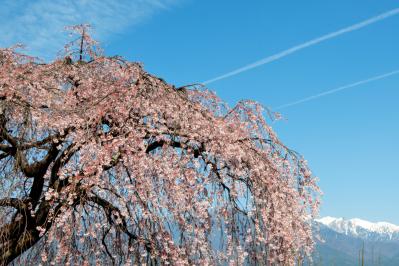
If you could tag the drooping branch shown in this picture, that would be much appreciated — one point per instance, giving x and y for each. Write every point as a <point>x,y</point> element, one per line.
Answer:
<point>4,135</point>
<point>113,213</point>
<point>15,203</point>
<point>60,162</point>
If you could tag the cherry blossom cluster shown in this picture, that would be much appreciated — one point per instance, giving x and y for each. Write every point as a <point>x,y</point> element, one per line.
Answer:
<point>110,164</point>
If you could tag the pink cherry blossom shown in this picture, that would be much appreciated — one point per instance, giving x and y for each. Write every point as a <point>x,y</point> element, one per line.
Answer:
<point>104,162</point>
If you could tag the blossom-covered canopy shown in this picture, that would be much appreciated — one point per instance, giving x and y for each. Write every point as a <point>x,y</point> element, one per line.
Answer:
<point>103,163</point>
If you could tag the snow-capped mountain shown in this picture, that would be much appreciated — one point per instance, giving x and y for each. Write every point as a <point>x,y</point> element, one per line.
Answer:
<point>342,240</point>
<point>380,231</point>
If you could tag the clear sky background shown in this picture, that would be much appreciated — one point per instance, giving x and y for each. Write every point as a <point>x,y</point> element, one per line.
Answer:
<point>350,138</point>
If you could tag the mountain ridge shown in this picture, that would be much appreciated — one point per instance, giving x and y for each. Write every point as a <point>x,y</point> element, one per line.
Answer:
<point>342,241</point>
<point>361,228</point>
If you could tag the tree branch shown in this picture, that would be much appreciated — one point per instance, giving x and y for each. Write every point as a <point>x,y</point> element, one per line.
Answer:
<point>14,203</point>
<point>110,210</point>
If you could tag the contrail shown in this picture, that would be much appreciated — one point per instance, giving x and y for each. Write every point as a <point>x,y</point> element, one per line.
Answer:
<point>299,47</point>
<point>358,83</point>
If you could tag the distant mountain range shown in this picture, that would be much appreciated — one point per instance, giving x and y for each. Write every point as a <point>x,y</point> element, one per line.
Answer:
<point>342,242</point>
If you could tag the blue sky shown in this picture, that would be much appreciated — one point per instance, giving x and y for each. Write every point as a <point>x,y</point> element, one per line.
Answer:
<point>350,138</point>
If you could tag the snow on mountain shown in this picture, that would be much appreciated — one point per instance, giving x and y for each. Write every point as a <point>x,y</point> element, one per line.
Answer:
<point>361,228</point>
